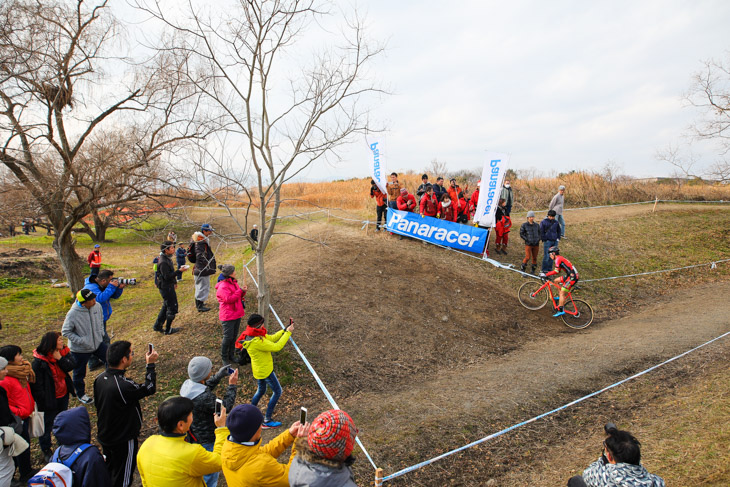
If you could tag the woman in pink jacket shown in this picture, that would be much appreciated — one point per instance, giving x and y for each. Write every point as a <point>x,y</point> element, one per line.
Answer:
<point>231,298</point>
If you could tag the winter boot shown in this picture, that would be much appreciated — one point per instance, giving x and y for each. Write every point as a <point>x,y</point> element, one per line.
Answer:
<point>202,308</point>
<point>523,267</point>
<point>534,267</point>
<point>504,249</point>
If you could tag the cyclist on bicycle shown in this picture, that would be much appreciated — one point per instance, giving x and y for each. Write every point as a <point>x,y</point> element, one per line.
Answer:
<point>564,283</point>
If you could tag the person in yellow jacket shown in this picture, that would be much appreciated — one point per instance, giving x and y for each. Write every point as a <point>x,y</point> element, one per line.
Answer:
<point>246,463</point>
<point>260,345</point>
<point>167,460</point>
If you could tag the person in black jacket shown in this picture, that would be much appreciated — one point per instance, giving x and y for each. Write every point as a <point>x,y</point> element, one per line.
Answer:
<point>72,429</point>
<point>52,361</point>
<point>199,388</point>
<point>530,233</point>
<point>119,415</point>
<point>204,266</point>
<point>166,282</point>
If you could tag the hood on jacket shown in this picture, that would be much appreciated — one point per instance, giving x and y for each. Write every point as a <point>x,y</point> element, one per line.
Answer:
<point>621,473</point>
<point>311,470</point>
<point>191,389</point>
<point>72,426</point>
<point>199,237</point>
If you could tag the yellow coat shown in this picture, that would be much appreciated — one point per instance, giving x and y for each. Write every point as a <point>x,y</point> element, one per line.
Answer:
<point>165,461</point>
<point>256,466</point>
<point>260,348</point>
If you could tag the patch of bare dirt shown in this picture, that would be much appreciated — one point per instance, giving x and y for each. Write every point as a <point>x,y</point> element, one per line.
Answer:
<point>31,264</point>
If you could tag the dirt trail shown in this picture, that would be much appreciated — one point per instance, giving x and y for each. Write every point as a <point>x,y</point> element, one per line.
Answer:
<point>579,362</point>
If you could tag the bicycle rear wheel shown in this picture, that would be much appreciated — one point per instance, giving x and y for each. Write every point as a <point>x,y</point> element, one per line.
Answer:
<point>578,314</point>
<point>529,296</point>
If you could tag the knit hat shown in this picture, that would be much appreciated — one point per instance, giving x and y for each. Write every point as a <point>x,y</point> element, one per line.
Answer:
<point>332,435</point>
<point>403,191</point>
<point>530,214</point>
<point>255,320</point>
<point>227,270</point>
<point>561,187</point>
<point>244,421</point>
<point>199,368</point>
<point>3,363</point>
<point>85,295</point>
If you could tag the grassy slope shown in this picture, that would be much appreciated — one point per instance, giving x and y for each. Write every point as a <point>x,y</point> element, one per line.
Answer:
<point>644,242</point>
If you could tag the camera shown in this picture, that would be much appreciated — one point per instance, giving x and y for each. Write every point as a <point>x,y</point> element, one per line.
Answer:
<point>132,281</point>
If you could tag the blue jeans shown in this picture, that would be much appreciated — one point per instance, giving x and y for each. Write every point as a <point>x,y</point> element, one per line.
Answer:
<point>48,416</point>
<point>547,264</point>
<point>80,370</point>
<point>211,480</point>
<point>561,220</point>
<point>272,382</point>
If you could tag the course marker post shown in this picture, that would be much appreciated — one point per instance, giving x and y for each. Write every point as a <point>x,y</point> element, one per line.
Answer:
<point>378,477</point>
<point>655,202</point>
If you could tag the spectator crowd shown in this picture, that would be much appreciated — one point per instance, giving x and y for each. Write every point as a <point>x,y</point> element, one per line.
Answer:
<point>454,204</point>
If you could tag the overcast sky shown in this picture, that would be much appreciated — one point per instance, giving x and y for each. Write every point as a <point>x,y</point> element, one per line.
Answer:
<point>559,85</point>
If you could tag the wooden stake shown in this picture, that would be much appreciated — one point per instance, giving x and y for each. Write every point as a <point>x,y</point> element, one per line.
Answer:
<point>378,477</point>
<point>655,202</point>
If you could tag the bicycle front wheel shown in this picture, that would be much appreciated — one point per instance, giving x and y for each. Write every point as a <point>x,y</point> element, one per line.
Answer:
<point>578,314</point>
<point>531,296</point>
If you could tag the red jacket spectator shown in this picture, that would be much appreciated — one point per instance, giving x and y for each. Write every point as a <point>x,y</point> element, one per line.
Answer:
<point>20,398</point>
<point>406,202</point>
<point>473,202</point>
<point>448,212</point>
<point>94,258</point>
<point>380,198</point>
<point>429,204</point>
<point>463,206</point>
<point>454,191</point>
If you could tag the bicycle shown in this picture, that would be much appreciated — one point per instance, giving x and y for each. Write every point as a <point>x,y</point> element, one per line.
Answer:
<point>533,296</point>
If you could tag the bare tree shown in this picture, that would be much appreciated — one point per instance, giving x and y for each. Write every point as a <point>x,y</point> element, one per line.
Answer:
<point>286,117</point>
<point>682,162</point>
<point>436,168</point>
<point>54,95</point>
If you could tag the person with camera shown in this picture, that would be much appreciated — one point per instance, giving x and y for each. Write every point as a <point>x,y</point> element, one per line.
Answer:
<point>393,188</point>
<point>106,288</point>
<point>167,460</point>
<point>119,415</point>
<point>381,204</point>
<point>166,282</point>
<point>260,345</point>
<point>205,266</point>
<point>200,389</point>
<point>84,328</point>
<point>619,464</point>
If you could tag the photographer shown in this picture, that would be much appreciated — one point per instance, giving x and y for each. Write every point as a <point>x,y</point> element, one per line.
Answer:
<point>619,464</point>
<point>381,203</point>
<point>166,282</point>
<point>106,288</point>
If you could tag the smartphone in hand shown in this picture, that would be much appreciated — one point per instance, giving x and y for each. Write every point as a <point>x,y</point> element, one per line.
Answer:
<point>303,415</point>
<point>150,347</point>
<point>218,407</point>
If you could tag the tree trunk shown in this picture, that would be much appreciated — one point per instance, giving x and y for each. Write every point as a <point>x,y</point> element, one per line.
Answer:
<point>263,293</point>
<point>100,227</point>
<point>70,261</point>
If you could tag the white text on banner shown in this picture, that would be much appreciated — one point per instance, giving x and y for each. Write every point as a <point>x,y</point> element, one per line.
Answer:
<point>493,173</point>
<point>377,161</point>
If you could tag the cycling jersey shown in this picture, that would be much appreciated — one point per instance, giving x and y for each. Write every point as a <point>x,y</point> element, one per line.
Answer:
<point>571,277</point>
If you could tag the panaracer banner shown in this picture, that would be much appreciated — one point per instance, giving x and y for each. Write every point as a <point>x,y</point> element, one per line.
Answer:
<point>492,177</point>
<point>440,232</point>
<point>377,161</point>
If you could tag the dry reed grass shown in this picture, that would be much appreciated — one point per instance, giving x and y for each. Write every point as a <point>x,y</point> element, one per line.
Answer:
<point>583,189</point>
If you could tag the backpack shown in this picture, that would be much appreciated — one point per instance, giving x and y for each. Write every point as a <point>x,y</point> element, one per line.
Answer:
<point>191,252</point>
<point>156,261</point>
<point>56,474</point>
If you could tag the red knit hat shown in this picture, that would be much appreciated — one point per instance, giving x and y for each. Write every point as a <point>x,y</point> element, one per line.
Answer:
<point>332,435</point>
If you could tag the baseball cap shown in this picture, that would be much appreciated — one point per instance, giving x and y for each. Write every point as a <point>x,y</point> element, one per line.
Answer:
<point>85,295</point>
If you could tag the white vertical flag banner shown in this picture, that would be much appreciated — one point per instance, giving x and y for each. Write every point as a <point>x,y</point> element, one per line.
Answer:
<point>493,173</point>
<point>377,161</point>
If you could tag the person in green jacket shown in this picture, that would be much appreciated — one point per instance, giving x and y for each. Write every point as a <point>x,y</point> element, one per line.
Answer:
<point>260,345</point>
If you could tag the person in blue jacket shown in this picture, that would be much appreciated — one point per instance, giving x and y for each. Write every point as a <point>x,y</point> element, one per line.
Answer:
<point>106,288</point>
<point>72,429</point>
<point>180,254</point>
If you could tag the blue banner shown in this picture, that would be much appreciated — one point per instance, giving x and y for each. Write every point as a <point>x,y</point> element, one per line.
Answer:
<point>440,232</point>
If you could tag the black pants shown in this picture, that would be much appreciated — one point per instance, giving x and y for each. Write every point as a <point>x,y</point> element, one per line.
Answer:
<point>382,215</point>
<point>230,333</point>
<point>169,308</point>
<point>577,481</point>
<point>22,461</point>
<point>121,460</point>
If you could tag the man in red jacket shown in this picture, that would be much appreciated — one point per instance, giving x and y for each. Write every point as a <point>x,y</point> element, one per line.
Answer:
<point>94,260</point>
<point>406,201</point>
<point>429,203</point>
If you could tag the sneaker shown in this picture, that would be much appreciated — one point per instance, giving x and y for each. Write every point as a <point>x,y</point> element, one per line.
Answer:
<point>85,399</point>
<point>171,331</point>
<point>270,424</point>
<point>523,267</point>
<point>556,298</point>
<point>559,313</point>
<point>542,274</point>
<point>159,330</point>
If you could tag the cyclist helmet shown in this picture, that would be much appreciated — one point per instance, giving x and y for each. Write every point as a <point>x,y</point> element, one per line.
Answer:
<point>554,250</point>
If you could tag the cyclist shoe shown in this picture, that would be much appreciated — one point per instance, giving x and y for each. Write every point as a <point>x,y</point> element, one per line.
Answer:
<point>559,313</point>
<point>556,298</point>
<point>270,424</point>
<point>86,399</point>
